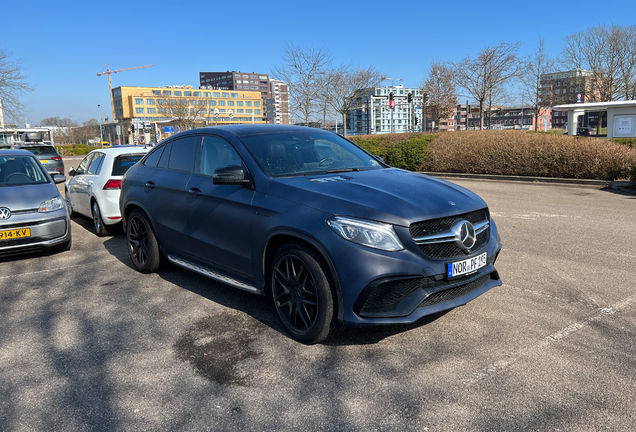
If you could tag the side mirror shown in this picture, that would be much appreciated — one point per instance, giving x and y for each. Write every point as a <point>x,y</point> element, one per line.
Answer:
<point>71,172</point>
<point>230,175</point>
<point>59,178</point>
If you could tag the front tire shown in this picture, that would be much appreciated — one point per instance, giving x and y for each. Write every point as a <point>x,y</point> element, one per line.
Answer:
<point>302,293</point>
<point>143,247</point>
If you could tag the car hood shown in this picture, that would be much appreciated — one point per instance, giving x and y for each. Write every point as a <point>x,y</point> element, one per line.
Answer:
<point>26,197</point>
<point>390,195</point>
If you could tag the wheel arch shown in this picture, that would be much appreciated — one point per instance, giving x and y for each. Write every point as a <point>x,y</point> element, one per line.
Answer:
<point>279,239</point>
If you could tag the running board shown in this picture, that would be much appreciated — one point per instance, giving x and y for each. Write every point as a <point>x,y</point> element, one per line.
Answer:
<point>219,277</point>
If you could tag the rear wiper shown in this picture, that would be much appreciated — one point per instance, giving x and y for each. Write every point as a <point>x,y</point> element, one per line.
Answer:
<point>342,170</point>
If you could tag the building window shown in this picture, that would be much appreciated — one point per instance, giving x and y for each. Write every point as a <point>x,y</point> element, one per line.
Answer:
<point>139,110</point>
<point>239,103</point>
<point>203,103</point>
<point>222,110</point>
<point>161,110</point>
<point>177,93</point>
<point>161,101</point>
<point>221,103</point>
<point>248,111</point>
<point>167,93</point>
<point>187,93</point>
<point>230,103</point>
<point>212,103</point>
<point>234,95</point>
<point>258,112</point>
<point>150,101</point>
<point>151,111</point>
<point>139,101</point>
<point>257,103</point>
<point>239,111</point>
<point>216,94</point>
<point>225,95</point>
<point>206,94</point>
<point>239,87</point>
<point>196,94</point>
<point>156,92</point>
<point>248,103</point>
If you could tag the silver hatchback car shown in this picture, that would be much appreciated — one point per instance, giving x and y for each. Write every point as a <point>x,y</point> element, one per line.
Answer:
<point>33,214</point>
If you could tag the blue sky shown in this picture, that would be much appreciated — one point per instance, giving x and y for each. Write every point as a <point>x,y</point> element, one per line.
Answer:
<point>64,44</point>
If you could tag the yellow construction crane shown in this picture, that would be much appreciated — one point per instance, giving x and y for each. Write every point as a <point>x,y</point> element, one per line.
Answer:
<point>110,84</point>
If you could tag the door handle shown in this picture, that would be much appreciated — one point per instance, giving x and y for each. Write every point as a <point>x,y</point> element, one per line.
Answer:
<point>150,185</point>
<point>195,192</point>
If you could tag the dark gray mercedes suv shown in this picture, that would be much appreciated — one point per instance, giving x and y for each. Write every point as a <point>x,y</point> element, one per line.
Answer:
<point>332,234</point>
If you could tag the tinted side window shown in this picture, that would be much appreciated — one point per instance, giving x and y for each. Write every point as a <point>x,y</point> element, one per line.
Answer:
<point>183,153</point>
<point>216,153</point>
<point>163,162</point>
<point>96,164</point>
<point>154,156</point>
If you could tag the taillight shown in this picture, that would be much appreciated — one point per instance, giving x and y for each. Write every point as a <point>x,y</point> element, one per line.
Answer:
<point>56,158</point>
<point>112,184</point>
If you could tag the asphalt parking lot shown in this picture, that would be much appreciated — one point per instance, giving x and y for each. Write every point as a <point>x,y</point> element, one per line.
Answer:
<point>87,343</point>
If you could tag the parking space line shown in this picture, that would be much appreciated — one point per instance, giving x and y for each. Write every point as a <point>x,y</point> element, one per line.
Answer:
<point>56,269</point>
<point>504,364</point>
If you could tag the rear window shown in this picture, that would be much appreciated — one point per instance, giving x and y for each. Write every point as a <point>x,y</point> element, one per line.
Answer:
<point>124,162</point>
<point>40,150</point>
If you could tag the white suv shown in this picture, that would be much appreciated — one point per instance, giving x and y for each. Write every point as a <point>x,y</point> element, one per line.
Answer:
<point>93,188</point>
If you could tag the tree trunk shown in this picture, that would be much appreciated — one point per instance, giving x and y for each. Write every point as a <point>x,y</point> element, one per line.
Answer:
<point>344,124</point>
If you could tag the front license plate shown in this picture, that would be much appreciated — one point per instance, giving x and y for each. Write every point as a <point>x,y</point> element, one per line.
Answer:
<point>466,266</point>
<point>12,234</point>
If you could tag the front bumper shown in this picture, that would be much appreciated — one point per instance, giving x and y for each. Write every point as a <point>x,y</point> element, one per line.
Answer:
<point>379,287</point>
<point>47,230</point>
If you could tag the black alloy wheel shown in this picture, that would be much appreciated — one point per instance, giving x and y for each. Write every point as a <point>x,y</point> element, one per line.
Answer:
<point>302,293</point>
<point>100,228</point>
<point>143,247</point>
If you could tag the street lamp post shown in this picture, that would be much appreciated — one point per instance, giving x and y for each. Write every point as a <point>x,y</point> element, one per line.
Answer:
<point>101,136</point>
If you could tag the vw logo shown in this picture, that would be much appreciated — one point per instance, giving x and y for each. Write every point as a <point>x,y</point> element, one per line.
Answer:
<point>5,213</point>
<point>465,237</point>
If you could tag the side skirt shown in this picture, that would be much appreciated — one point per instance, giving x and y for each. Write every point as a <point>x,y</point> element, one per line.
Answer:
<point>216,275</point>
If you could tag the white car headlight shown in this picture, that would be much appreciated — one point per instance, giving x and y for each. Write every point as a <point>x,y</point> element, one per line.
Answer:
<point>366,233</point>
<point>51,205</point>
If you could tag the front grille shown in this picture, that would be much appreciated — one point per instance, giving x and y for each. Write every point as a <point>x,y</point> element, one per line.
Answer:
<point>453,293</point>
<point>449,250</point>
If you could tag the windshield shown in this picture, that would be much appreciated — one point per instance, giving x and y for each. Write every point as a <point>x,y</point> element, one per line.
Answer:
<point>21,170</point>
<point>124,162</point>
<point>306,152</point>
<point>40,150</point>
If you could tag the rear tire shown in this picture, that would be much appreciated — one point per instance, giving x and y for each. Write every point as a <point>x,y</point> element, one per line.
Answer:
<point>143,247</point>
<point>302,294</point>
<point>98,222</point>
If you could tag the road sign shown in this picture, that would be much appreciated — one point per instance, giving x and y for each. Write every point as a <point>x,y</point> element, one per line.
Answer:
<point>168,129</point>
<point>146,124</point>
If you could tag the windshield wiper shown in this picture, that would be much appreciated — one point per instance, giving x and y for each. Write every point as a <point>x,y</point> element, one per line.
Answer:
<point>342,170</point>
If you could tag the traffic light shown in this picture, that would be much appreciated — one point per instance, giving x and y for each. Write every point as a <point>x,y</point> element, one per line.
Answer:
<point>391,100</point>
<point>132,128</point>
<point>391,96</point>
<point>409,97</point>
<point>415,121</point>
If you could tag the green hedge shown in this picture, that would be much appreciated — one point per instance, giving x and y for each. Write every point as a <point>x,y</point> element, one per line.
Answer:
<point>407,151</point>
<point>74,149</point>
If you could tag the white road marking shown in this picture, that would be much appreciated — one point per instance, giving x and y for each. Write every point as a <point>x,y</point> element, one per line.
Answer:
<point>561,334</point>
<point>56,269</point>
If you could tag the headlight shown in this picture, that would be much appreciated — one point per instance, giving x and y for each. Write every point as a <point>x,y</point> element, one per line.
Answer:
<point>51,205</point>
<point>366,233</point>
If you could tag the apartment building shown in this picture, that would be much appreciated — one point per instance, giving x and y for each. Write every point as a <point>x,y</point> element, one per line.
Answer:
<point>277,107</point>
<point>156,104</point>
<point>372,112</point>
<point>558,88</point>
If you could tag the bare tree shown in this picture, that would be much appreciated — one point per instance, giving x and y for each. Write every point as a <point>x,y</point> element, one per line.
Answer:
<point>186,113</point>
<point>12,85</point>
<point>609,54</point>
<point>303,70</point>
<point>537,65</point>
<point>347,84</point>
<point>440,91</point>
<point>488,72</point>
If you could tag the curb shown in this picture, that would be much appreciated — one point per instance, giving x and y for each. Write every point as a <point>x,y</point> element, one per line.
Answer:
<point>622,185</point>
